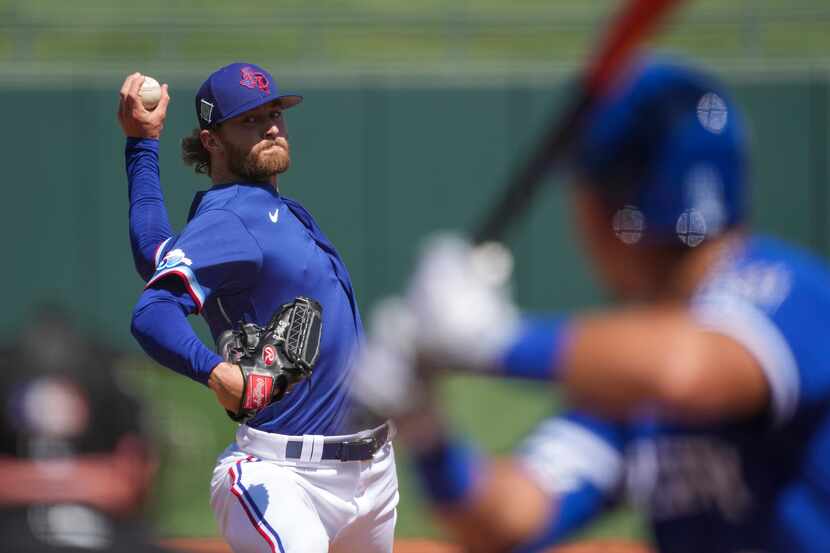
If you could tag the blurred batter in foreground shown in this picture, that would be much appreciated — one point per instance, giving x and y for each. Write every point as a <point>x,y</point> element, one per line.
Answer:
<point>704,396</point>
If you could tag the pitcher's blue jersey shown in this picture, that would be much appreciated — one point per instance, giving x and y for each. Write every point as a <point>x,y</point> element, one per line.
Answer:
<point>744,486</point>
<point>246,251</point>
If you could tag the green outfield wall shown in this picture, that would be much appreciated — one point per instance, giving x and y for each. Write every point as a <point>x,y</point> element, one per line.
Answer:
<point>380,166</point>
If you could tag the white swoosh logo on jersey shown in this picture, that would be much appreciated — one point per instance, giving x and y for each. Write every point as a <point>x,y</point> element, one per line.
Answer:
<point>275,216</point>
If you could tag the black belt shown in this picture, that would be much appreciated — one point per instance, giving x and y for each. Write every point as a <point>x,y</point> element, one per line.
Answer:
<point>357,447</point>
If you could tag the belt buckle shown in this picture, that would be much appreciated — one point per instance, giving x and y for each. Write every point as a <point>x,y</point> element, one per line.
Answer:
<point>369,441</point>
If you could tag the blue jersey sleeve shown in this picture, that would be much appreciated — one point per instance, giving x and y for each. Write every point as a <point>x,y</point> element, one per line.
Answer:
<point>577,460</point>
<point>160,326</point>
<point>149,225</point>
<point>214,255</point>
<point>776,303</point>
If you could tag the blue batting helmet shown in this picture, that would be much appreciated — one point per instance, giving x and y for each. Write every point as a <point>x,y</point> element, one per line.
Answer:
<point>667,150</point>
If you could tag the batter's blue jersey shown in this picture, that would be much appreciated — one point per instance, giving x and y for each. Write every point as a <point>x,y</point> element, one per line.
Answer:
<point>747,486</point>
<point>246,251</point>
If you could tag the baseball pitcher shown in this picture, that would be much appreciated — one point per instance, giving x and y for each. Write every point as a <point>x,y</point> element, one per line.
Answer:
<point>280,305</point>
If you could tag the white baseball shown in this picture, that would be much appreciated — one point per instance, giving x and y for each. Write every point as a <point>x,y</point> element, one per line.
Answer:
<point>150,93</point>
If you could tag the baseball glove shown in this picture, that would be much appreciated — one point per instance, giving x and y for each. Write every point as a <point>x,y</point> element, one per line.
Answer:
<point>276,357</point>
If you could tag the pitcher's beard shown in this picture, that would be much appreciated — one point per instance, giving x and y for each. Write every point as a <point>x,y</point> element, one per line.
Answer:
<point>261,163</point>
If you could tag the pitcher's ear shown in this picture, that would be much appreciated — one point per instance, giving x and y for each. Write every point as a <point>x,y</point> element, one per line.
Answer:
<point>210,141</point>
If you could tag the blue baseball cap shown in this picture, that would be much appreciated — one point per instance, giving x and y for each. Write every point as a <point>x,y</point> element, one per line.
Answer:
<point>235,89</point>
<point>667,149</point>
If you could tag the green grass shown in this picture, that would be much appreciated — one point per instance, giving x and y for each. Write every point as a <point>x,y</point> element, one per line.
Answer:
<point>191,430</point>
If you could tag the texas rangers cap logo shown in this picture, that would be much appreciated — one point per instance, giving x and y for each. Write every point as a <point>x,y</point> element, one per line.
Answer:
<point>269,355</point>
<point>254,79</point>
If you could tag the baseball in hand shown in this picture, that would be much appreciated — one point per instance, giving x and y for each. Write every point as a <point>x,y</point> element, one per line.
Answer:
<point>150,93</point>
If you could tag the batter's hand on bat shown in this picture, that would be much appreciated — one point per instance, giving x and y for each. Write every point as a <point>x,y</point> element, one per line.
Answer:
<point>461,302</point>
<point>136,120</point>
<point>457,314</point>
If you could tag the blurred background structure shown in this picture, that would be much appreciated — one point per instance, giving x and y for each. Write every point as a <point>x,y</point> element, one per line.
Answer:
<point>76,459</point>
<point>351,39</point>
<point>415,114</point>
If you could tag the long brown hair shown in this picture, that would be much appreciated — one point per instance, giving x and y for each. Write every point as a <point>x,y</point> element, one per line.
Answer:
<point>195,154</point>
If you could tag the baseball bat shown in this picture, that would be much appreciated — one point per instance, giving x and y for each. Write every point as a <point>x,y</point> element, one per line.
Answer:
<point>636,20</point>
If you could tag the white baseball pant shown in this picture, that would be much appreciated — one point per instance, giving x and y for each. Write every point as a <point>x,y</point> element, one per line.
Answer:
<point>265,503</point>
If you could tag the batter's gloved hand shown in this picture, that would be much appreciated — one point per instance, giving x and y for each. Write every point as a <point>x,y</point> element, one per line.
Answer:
<point>276,357</point>
<point>457,315</point>
<point>460,299</point>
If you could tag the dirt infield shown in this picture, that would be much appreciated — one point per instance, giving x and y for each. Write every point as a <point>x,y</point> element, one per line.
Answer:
<point>604,546</point>
<point>187,545</point>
